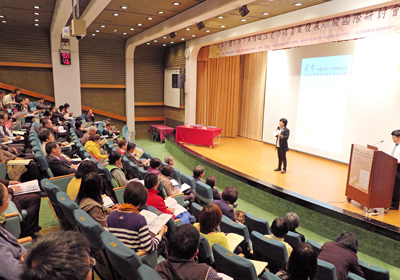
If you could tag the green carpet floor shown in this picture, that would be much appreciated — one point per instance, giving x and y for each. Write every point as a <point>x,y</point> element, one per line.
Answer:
<point>381,251</point>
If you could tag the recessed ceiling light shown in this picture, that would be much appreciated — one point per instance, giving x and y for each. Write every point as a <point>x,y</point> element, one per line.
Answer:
<point>160,12</point>
<point>124,33</point>
<point>155,41</point>
<point>97,30</point>
<point>36,14</point>
<point>1,16</point>
<point>148,43</point>
<point>193,35</point>
<point>208,31</point>
<point>220,17</point>
<point>165,37</point>
<point>164,45</point>
<point>150,18</point>
<point>36,7</point>
<point>182,39</point>
<point>176,3</point>
<point>36,24</point>
<point>115,14</point>
<point>222,26</point>
<point>93,34</point>
<point>4,21</point>
<point>124,7</point>
<point>139,24</point>
<point>298,4</point>
<point>172,42</point>
<point>243,19</point>
<point>265,14</point>
<point>188,28</point>
<point>102,26</point>
<point>131,29</point>
<point>115,30</point>
<point>36,19</point>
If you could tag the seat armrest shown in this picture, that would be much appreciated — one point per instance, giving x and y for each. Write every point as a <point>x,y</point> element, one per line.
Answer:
<point>61,177</point>
<point>10,215</point>
<point>141,253</point>
<point>25,240</point>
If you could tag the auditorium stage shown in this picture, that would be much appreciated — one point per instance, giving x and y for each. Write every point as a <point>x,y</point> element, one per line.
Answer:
<point>318,179</point>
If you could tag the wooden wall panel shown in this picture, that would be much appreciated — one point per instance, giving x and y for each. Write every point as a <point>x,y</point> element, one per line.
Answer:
<point>102,60</point>
<point>109,100</point>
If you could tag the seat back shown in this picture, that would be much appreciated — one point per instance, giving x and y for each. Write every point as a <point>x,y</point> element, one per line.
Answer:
<point>232,265</point>
<point>315,245</point>
<point>269,276</point>
<point>176,175</point>
<point>142,173</point>
<point>352,276</point>
<point>195,210</point>
<point>205,254</point>
<point>147,273</point>
<point>254,223</point>
<point>190,181</point>
<point>124,132</point>
<point>51,190</point>
<point>119,193</point>
<point>67,206</point>
<point>3,170</point>
<point>13,219</point>
<point>125,261</point>
<point>325,270</point>
<point>372,272</point>
<point>43,165</point>
<point>162,190</point>
<point>228,226</point>
<point>270,250</point>
<point>292,238</point>
<point>170,224</point>
<point>62,182</point>
<point>204,192</point>
<point>100,128</point>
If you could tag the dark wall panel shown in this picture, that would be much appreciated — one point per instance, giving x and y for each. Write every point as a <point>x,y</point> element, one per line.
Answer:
<point>102,60</point>
<point>109,100</point>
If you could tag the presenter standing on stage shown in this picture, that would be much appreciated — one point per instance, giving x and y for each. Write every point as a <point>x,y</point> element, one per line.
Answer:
<point>394,151</point>
<point>282,135</point>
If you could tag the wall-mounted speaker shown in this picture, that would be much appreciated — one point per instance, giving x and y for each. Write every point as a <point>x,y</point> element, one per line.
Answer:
<point>178,80</point>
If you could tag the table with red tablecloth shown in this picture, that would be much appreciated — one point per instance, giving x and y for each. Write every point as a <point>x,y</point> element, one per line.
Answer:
<point>196,135</point>
<point>163,130</point>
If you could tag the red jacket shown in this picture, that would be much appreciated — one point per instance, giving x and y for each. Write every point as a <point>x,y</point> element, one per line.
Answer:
<point>157,202</point>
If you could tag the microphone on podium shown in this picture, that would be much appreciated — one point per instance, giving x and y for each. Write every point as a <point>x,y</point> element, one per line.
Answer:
<point>377,143</point>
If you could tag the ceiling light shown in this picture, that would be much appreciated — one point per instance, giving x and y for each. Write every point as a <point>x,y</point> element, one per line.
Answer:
<point>222,26</point>
<point>150,18</point>
<point>115,14</point>
<point>193,35</point>
<point>244,11</point>
<point>1,16</point>
<point>36,24</point>
<point>139,24</point>
<point>220,17</point>
<point>115,30</point>
<point>97,30</point>
<point>93,34</point>
<point>265,14</point>
<point>124,33</point>
<point>36,14</point>
<point>243,19</point>
<point>36,7</point>
<point>165,37</point>
<point>298,4</point>
<point>4,21</point>
<point>172,42</point>
<point>164,45</point>
<point>36,19</point>
<point>131,29</point>
<point>208,31</point>
<point>188,28</point>
<point>102,26</point>
<point>160,12</point>
<point>148,43</point>
<point>200,25</point>
<point>182,39</point>
<point>155,41</point>
<point>124,7</point>
<point>176,3</point>
<point>172,35</point>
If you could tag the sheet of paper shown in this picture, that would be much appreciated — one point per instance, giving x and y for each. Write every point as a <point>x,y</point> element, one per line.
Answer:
<point>107,202</point>
<point>19,162</point>
<point>275,133</point>
<point>17,132</point>
<point>234,240</point>
<point>170,202</point>
<point>174,182</point>
<point>184,187</point>
<point>156,223</point>
<point>259,266</point>
<point>27,187</point>
<point>149,216</point>
<point>224,276</point>
<point>179,209</point>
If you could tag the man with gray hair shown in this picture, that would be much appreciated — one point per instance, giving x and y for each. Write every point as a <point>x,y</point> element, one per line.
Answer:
<point>169,160</point>
<point>91,131</point>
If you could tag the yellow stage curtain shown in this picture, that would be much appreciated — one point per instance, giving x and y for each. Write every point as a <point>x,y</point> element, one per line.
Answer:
<point>253,69</point>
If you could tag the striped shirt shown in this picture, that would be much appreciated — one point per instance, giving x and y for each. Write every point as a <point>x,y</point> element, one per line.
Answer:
<point>132,230</point>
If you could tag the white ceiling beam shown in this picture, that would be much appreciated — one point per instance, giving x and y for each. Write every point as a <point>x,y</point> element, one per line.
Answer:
<point>93,10</point>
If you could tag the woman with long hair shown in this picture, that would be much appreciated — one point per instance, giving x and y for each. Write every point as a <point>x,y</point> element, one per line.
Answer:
<point>86,167</point>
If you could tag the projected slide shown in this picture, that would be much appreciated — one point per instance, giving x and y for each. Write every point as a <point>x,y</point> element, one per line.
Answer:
<point>321,110</point>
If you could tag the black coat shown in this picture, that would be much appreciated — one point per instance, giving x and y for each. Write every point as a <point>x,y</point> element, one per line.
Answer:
<point>283,144</point>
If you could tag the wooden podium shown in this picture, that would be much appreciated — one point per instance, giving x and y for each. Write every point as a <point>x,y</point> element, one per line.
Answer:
<point>371,175</point>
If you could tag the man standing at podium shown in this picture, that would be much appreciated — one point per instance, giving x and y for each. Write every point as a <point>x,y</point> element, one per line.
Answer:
<point>394,151</point>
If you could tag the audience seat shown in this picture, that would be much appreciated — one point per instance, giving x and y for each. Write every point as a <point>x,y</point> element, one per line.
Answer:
<point>228,226</point>
<point>92,231</point>
<point>3,170</point>
<point>142,173</point>
<point>190,181</point>
<point>352,276</point>
<point>67,206</point>
<point>315,245</point>
<point>372,272</point>
<point>205,254</point>
<point>13,220</point>
<point>325,270</point>
<point>62,181</point>
<point>147,273</point>
<point>161,189</point>
<point>270,276</point>
<point>269,250</point>
<point>176,175</point>
<point>232,265</point>
<point>292,238</point>
<point>204,193</point>
<point>119,193</point>
<point>254,223</point>
<point>195,210</point>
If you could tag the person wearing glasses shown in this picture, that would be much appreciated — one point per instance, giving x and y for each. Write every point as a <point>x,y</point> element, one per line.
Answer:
<point>61,255</point>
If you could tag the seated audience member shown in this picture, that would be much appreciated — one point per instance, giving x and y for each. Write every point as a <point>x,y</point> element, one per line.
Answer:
<point>151,183</point>
<point>8,122</point>
<point>90,200</point>
<point>78,129</point>
<point>56,117</point>
<point>279,229</point>
<point>47,124</point>
<point>169,160</point>
<point>293,222</point>
<point>40,104</point>
<point>91,131</point>
<point>4,131</point>
<point>45,136</point>
<point>229,197</point>
<point>93,147</point>
<point>302,264</point>
<point>211,181</point>
<point>61,255</point>
<point>9,99</point>
<point>342,254</point>
<point>107,131</point>
<point>130,154</point>
<point>198,173</point>
<point>84,168</point>
<point>166,172</point>
<point>58,167</point>
<point>183,247</point>
<point>18,95</point>
<point>65,109</point>
<point>10,250</point>
<point>90,116</point>
<point>2,107</point>
<point>209,220</point>
<point>116,169</point>
<point>122,146</point>
<point>155,164</point>
<point>129,226</point>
